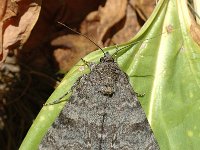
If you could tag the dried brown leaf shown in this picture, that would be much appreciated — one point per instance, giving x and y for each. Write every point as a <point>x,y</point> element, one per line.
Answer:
<point>144,8</point>
<point>99,22</point>
<point>17,21</point>
<point>195,30</point>
<point>96,25</point>
<point>127,31</point>
<point>73,48</point>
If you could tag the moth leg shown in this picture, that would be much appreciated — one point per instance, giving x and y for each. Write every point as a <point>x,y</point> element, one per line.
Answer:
<point>115,54</point>
<point>140,95</point>
<point>89,64</point>
<point>59,100</point>
<point>86,62</point>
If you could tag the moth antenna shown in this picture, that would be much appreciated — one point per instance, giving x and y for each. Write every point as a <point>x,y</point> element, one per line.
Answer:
<point>139,42</point>
<point>132,44</point>
<point>82,35</point>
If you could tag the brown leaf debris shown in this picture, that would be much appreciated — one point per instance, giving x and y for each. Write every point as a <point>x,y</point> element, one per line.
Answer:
<point>17,20</point>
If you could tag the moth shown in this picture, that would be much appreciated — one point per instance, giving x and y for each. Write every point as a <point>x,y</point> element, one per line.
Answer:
<point>103,113</point>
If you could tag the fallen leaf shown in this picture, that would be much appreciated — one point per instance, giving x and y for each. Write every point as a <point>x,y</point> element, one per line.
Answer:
<point>143,8</point>
<point>96,25</point>
<point>17,21</point>
<point>195,30</point>
<point>127,31</point>
<point>99,23</point>
<point>38,51</point>
<point>73,47</point>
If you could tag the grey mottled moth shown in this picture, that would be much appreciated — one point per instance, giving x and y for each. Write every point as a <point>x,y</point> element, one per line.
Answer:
<point>103,113</point>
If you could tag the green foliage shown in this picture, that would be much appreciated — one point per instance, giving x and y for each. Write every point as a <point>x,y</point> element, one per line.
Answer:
<point>166,67</point>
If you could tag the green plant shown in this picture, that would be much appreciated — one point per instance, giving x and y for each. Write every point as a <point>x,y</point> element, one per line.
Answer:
<point>165,68</point>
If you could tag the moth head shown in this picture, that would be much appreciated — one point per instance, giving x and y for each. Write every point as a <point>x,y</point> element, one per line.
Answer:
<point>107,58</point>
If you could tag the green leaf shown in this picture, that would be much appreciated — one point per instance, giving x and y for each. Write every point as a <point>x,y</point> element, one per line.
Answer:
<point>166,67</point>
